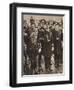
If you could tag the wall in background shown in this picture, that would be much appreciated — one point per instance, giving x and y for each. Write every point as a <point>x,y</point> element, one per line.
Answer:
<point>4,43</point>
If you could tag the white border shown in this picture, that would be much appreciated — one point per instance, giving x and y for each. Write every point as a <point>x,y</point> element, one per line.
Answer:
<point>49,77</point>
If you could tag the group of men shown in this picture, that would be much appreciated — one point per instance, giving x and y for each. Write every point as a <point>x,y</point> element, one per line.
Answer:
<point>41,42</point>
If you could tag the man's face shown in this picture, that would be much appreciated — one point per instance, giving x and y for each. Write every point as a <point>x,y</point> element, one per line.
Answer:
<point>57,27</point>
<point>42,30</point>
<point>33,26</point>
<point>42,24</point>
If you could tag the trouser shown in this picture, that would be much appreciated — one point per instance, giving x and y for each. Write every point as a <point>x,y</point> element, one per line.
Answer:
<point>47,62</point>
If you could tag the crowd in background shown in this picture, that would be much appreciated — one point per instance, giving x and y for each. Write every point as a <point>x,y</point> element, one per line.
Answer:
<point>42,46</point>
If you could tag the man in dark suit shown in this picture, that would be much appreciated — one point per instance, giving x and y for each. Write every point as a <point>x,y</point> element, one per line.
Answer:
<point>57,45</point>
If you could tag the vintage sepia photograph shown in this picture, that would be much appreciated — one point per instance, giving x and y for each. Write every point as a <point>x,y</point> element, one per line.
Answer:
<point>42,44</point>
